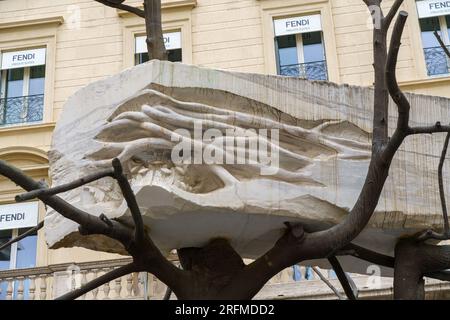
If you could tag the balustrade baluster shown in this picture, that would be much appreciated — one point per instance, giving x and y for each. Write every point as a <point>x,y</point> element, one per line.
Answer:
<point>32,289</point>
<point>106,287</point>
<point>118,287</point>
<point>20,288</point>
<point>83,282</point>
<point>129,285</point>
<point>43,287</point>
<point>136,282</point>
<point>9,290</point>
<point>95,291</point>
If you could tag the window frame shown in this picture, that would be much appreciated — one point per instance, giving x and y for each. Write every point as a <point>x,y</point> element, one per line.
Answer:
<point>26,82</point>
<point>445,36</point>
<point>16,36</point>
<point>417,49</point>
<point>34,162</point>
<point>273,9</point>
<point>25,93</point>
<point>444,29</point>
<point>164,32</point>
<point>299,42</point>
<point>172,19</point>
<point>14,249</point>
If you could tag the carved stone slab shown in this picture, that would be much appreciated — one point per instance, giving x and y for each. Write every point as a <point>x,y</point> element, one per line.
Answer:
<point>324,133</point>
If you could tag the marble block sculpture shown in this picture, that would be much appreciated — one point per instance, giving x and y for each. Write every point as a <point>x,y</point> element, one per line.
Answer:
<point>320,132</point>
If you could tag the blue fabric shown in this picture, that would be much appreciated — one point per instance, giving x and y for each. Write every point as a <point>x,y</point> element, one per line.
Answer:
<point>297,273</point>
<point>309,274</point>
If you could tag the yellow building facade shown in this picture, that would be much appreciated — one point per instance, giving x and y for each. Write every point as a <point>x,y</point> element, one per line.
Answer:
<point>50,49</point>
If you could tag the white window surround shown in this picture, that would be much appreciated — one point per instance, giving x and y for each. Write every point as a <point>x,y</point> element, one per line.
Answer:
<point>413,32</point>
<point>34,162</point>
<point>29,214</point>
<point>13,250</point>
<point>422,5</point>
<point>17,35</point>
<point>30,99</point>
<point>178,20</point>
<point>273,9</point>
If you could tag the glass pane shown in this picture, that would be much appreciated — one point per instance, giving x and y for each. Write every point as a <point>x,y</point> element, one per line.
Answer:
<point>175,55</point>
<point>315,67</point>
<point>37,80</point>
<point>447,19</point>
<point>15,103</point>
<point>26,258</point>
<point>35,100</point>
<point>141,58</point>
<point>427,27</point>
<point>26,251</point>
<point>435,57</point>
<point>14,83</point>
<point>5,260</point>
<point>287,50</point>
<point>3,75</point>
<point>313,47</point>
<point>5,254</point>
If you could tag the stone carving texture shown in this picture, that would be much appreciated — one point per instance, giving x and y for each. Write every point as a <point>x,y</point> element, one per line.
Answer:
<point>324,133</point>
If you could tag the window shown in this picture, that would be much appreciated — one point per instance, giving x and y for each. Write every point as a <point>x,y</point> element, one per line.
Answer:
<point>15,220</point>
<point>300,48</point>
<point>172,41</point>
<point>22,87</point>
<point>434,16</point>
<point>21,254</point>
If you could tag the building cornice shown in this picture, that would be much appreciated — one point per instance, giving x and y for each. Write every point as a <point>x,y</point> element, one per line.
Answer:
<point>173,4</point>
<point>435,80</point>
<point>56,20</point>
<point>29,127</point>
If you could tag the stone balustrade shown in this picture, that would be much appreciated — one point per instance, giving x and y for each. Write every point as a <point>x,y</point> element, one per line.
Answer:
<point>46,283</point>
<point>49,282</point>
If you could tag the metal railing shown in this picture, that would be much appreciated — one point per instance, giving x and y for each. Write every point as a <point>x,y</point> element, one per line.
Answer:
<point>437,61</point>
<point>312,71</point>
<point>17,110</point>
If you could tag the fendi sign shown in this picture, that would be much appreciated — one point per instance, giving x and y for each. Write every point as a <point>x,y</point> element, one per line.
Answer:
<point>432,8</point>
<point>20,215</point>
<point>172,41</point>
<point>22,59</point>
<point>301,24</point>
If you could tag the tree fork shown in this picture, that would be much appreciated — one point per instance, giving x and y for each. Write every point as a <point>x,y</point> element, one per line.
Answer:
<point>153,23</point>
<point>413,260</point>
<point>210,269</point>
